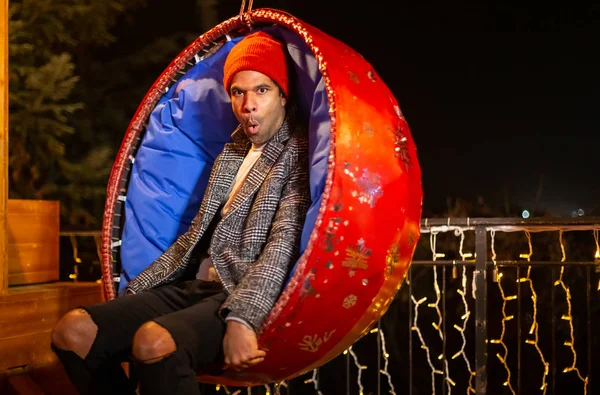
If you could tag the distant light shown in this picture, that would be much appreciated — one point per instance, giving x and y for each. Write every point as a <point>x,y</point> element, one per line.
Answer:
<point>525,214</point>
<point>580,212</point>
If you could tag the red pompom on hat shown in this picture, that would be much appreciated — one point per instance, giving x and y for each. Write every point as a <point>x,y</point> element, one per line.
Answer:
<point>258,52</point>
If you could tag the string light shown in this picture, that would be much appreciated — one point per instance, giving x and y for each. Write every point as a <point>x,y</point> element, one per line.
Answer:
<point>314,379</point>
<point>505,318</point>
<point>386,357</point>
<point>415,328</point>
<point>75,274</point>
<point>597,255</point>
<point>278,387</point>
<point>432,244</point>
<point>248,390</point>
<point>225,389</point>
<point>465,317</point>
<point>569,318</point>
<point>535,325</point>
<point>73,240</point>
<point>438,325</point>
<point>462,292</point>
<point>360,369</point>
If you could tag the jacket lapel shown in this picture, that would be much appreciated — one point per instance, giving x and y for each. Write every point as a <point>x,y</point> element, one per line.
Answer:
<point>262,166</point>
<point>225,168</point>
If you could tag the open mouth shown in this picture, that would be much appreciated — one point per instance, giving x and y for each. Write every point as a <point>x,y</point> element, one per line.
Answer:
<point>252,127</point>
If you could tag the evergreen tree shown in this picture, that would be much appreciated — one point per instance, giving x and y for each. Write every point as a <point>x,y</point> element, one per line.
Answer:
<point>40,85</point>
<point>77,76</point>
<point>49,157</point>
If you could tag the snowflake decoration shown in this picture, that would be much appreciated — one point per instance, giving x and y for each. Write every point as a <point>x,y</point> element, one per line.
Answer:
<point>368,129</point>
<point>350,301</point>
<point>357,257</point>
<point>353,77</point>
<point>391,260</point>
<point>370,188</point>
<point>401,147</point>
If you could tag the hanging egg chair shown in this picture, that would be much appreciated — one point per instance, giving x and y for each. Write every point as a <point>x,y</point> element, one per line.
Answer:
<point>365,181</point>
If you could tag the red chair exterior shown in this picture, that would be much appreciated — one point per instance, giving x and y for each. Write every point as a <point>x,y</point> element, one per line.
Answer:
<point>368,225</point>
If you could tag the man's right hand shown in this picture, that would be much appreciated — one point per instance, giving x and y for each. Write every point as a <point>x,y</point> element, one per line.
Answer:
<point>240,347</point>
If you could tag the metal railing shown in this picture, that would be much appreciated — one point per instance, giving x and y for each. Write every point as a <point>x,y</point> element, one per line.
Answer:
<point>490,306</point>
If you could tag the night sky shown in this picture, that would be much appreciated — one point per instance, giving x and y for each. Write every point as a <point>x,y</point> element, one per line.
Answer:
<point>500,98</point>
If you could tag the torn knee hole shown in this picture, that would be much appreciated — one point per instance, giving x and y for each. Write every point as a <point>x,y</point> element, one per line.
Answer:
<point>152,343</point>
<point>76,331</point>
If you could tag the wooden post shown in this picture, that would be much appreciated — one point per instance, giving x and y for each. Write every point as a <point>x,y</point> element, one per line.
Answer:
<point>3,145</point>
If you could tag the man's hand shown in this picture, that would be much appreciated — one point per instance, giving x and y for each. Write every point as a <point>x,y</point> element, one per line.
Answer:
<point>240,347</point>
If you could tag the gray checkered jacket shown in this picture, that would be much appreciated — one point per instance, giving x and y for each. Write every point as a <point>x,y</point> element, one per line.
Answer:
<point>257,242</point>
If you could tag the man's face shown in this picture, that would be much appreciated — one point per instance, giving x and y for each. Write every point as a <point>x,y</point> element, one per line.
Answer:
<point>257,105</point>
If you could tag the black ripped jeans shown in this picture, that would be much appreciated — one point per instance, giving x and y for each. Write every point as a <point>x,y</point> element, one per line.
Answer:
<point>189,311</point>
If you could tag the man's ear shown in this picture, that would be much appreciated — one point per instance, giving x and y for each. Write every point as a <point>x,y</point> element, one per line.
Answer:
<point>283,101</point>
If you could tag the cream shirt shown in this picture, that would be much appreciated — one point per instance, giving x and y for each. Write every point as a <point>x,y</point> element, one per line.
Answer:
<point>206,271</point>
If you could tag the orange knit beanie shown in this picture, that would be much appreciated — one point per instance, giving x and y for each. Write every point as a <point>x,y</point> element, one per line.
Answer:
<point>258,52</point>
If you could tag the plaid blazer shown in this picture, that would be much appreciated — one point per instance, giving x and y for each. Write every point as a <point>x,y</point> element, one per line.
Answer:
<point>256,243</point>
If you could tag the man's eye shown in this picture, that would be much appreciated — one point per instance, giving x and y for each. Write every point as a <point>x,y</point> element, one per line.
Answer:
<point>262,90</point>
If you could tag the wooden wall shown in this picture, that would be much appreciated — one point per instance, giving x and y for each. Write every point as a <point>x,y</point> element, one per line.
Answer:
<point>33,228</point>
<point>3,144</point>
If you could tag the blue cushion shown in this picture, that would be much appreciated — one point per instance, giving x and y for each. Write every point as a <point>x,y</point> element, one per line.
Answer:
<point>186,131</point>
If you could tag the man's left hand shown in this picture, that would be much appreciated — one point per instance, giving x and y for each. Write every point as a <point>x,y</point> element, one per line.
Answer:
<point>240,347</point>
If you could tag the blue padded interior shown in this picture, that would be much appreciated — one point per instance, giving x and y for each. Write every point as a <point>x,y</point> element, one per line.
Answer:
<point>186,131</point>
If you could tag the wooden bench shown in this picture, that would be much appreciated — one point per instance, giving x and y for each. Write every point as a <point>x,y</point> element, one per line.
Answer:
<point>34,299</point>
<point>27,316</point>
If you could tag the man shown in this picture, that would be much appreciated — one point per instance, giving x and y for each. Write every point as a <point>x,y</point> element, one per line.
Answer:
<point>201,303</point>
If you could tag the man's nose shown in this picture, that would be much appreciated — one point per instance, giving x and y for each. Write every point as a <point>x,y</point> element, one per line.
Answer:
<point>249,103</point>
